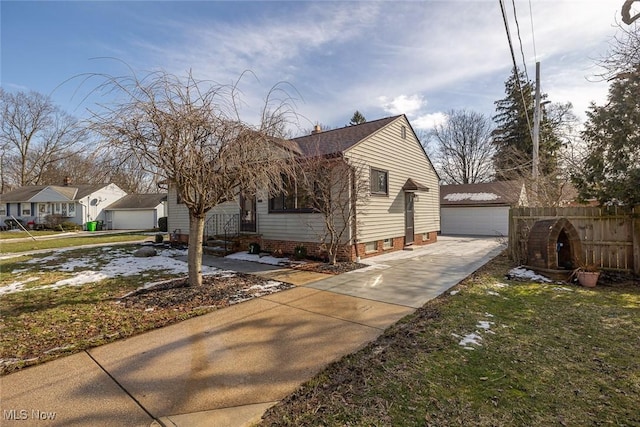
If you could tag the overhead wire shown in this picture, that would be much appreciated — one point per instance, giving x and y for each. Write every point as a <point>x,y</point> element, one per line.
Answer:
<point>515,18</point>
<point>515,65</point>
<point>533,35</point>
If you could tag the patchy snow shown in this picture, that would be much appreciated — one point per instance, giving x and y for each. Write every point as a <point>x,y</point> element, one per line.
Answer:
<point>484,324</point>
<point>562,289</point>
<point>16,286</point>
<point>493,293</point>
<point>476,197</point>
<point>118,263</point>
<point>263,259</point>
<point>453,292</point>
<point>501,285</point>
<point>470,339</point>
<point>521,273</point>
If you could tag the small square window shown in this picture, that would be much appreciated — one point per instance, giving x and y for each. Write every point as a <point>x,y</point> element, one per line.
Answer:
<point>387,244</point>
<point>379,181</point>
<point>26,212</point>
<point>371,247</point>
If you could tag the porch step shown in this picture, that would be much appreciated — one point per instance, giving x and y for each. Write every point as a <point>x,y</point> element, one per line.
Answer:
<point>217,247</point>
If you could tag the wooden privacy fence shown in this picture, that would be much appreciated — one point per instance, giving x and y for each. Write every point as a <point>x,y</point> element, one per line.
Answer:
<point>610,236</point>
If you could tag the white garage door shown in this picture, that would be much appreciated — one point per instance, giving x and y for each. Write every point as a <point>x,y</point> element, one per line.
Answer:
<point>475,221</point>
<point>133,220</point>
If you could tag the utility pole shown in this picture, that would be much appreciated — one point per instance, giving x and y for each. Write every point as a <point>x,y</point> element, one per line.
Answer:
<point>536,134</point>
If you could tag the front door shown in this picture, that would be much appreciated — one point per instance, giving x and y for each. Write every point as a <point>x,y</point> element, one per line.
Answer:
<point>248,213</point>
<point>408,218</point>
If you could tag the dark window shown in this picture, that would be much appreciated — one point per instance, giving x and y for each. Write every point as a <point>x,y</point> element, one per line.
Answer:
<point>403,132</point>
<point>379,181</point>
<point>294,198</point>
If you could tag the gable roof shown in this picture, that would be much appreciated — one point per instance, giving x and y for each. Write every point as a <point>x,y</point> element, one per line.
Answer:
<point>71,192</point>
<point>499,193</point>
<point>138,201</point>
<point>337,141</point>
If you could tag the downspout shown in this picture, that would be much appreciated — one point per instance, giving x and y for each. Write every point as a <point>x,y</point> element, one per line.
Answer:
<point>354,221</point>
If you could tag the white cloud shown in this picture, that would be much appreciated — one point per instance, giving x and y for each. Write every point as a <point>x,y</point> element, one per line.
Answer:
<point>429,121</point>
<point>403,104</point>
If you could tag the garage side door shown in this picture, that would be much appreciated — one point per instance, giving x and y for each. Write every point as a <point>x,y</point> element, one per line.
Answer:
<point>475,221</point>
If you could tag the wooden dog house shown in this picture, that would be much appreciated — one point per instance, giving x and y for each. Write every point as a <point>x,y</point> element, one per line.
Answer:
<point>553,248</point>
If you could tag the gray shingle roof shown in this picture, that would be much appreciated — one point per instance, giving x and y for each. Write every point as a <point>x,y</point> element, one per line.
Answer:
<point>138,201</point>
<point>499,193</point>
<point>336,141</point>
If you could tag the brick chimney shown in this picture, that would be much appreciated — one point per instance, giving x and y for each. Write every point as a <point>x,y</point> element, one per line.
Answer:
<point>316,129</point>
<point>67,181</point>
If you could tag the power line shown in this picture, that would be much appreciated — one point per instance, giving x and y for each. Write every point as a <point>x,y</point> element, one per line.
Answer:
<point>533,36</point>
<point>524,61</point>
<point>515,65</point>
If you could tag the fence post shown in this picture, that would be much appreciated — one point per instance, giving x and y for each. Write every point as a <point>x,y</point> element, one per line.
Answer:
<point>635,227</point>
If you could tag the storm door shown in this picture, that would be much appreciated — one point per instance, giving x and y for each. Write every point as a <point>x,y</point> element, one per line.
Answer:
<point>248,220</point>
<point>408,217</point>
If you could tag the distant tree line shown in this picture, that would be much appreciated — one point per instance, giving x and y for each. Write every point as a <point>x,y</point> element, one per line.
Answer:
<point>40,144</point>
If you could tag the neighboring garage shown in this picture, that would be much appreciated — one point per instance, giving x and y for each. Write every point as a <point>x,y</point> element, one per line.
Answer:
<point>135,212</point>
<point>479,209</point>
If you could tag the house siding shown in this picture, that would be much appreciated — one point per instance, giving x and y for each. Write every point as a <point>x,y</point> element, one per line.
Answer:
<point>384,216</point>
<point>178,214</point>
<point>379,218</point>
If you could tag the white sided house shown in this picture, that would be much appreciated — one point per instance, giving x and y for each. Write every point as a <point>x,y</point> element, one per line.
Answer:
<point>479,209</point>
<point>400,210</point>
<point>74,203</point>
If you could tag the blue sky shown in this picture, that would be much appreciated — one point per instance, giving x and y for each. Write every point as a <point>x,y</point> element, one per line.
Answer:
<point>420,58</point>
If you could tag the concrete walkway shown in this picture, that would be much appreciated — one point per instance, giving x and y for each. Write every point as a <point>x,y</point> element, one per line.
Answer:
<point>225,368</point>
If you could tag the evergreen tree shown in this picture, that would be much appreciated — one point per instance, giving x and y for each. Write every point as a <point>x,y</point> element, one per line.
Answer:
<point>357,119</point>
<point>611,170</point>
<point>512,137</point>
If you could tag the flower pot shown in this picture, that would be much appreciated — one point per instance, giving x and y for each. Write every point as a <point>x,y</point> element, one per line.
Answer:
<point>588,279</point>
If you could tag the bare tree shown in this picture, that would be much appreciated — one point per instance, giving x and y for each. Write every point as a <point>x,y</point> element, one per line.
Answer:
<point>337,188</point>
<point>190,132</point>
<point>464,148</point>
<point>35,134</point>
<point>623,57</point>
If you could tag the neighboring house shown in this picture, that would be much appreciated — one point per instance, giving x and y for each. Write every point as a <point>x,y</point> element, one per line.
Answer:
<point>74,203</point>
<point>135,212</point>
<point>479,209</point>
<point>402,209</point>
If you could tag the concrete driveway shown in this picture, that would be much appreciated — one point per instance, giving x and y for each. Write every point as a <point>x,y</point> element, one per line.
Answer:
<point>225,368</point>
<point>411,278</point>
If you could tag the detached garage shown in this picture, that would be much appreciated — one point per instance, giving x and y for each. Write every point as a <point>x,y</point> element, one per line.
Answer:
<point>479,209</point>
<point>135,212</point>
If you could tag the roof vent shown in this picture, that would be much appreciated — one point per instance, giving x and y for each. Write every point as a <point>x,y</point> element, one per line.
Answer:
<point>316,129</point>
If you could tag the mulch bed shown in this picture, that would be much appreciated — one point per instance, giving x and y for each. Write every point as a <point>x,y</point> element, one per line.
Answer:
<point>216,291</point>
<point>219,290</point>
<point>322,267</point>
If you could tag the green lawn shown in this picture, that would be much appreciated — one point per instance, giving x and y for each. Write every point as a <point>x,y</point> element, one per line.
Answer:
<point>63,242</point>
<point>547,355</point>
<point>43,322</point>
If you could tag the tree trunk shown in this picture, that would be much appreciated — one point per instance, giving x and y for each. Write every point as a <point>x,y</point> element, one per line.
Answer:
<point>194,256</point>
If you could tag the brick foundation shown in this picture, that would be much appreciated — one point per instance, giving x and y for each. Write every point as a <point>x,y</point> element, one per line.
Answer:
<point>397,245</point>
<point>347,253</point>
